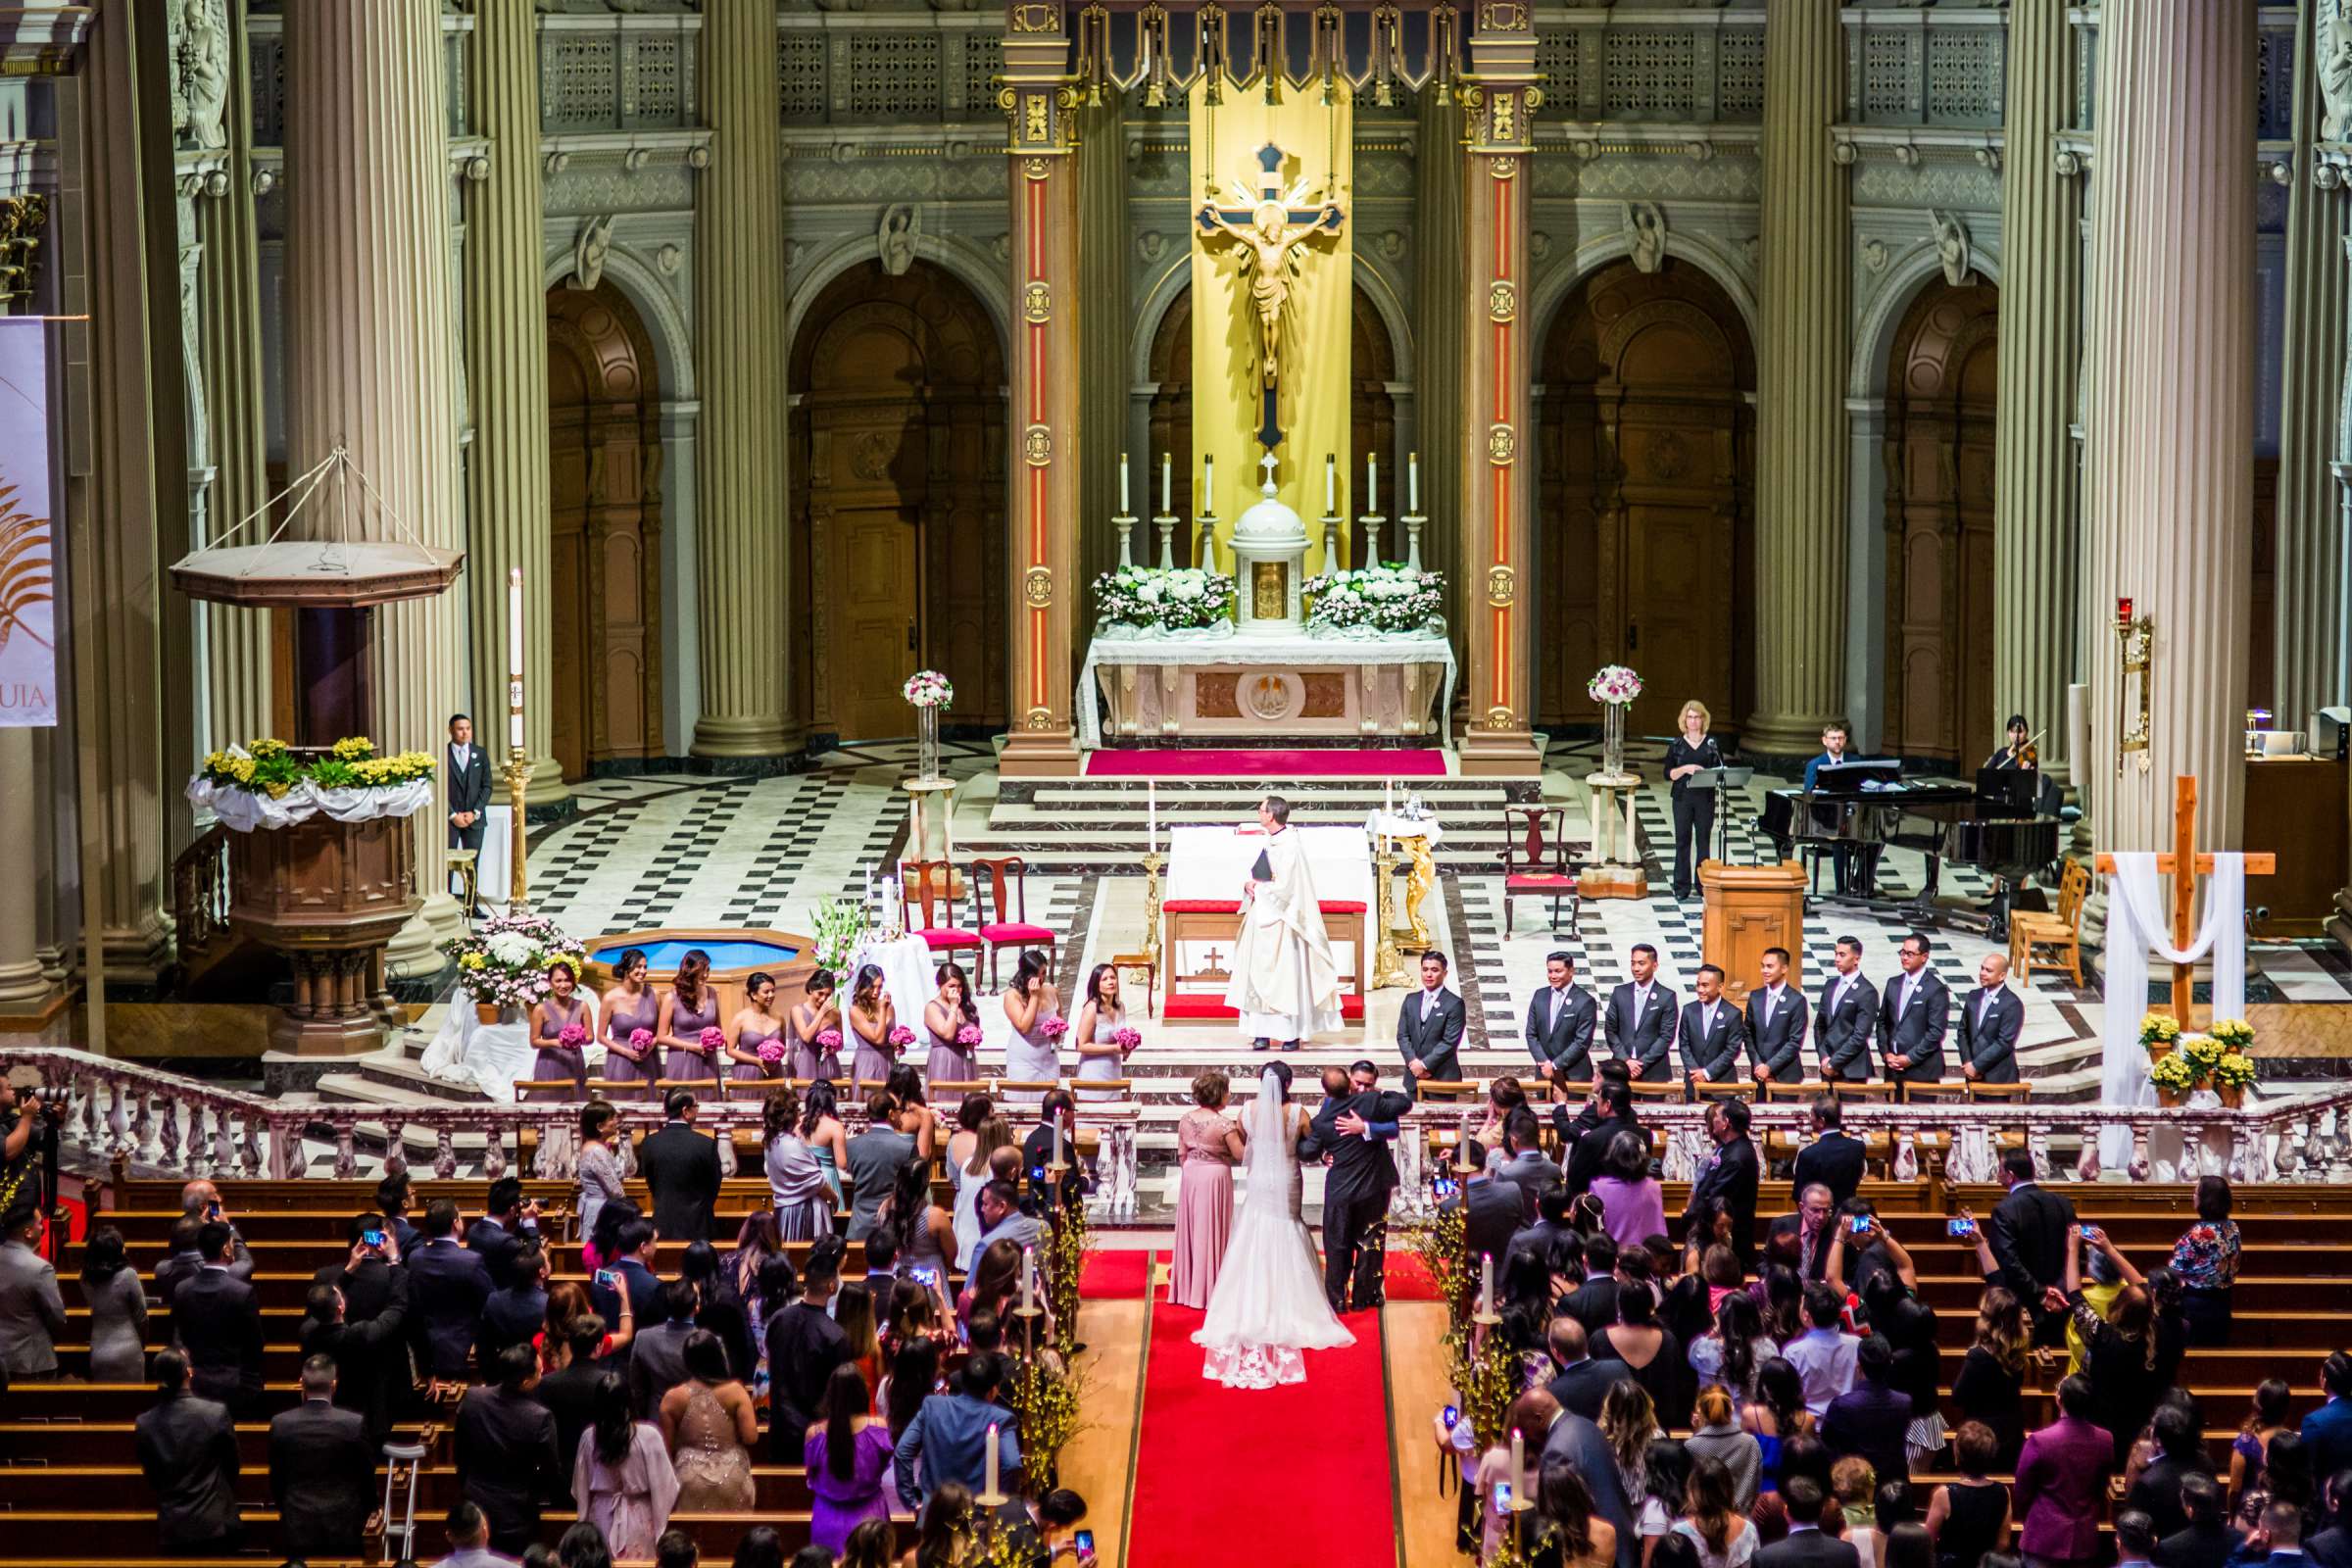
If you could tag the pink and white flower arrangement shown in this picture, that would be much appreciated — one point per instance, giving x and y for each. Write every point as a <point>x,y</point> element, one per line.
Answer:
<point>829,1040</point>
<point>968,1035</point>
<point>771,1053</point>
<point>929,688</point>
<point>1613,684</point>
<point>572,1036</point>
<point>1056,1027</point>
<point>502,962</point>
<point>1127,1039</point>
<point>639,1039</point>
<point>712,1037</point>
<point>901,1036</point>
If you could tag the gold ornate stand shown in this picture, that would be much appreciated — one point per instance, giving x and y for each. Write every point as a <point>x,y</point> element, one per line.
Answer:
<point>518,871</point>
<point>1152,864</point>
<point>1388,971</point>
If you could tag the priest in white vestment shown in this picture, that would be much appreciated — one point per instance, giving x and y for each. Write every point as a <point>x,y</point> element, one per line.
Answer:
<point>1286,983</point>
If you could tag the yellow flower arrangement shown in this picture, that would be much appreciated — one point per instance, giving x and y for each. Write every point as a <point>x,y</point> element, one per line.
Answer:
<point>352,762</point>
<point>2236,1070</point>
<point>2235,1034</point>
<point>354,747</point>
<point>2202,1052</point>
<point>2158,1029</point>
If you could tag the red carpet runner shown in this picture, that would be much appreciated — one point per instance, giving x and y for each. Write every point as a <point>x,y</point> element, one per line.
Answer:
<point>1306,762</point>
<point>1276,1478</point>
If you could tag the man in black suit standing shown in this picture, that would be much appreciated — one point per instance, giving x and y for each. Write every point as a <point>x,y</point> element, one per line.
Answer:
<point>1489,1210</point>
<point>218,1321</point>
<point>1990,1020</point>
<point>1832,1158</point>
<point>1429,1029</point>
<point>447,1286</point>
<point>1580,1383</point>
<point>1729,1176</point>
<point>2027,1236</point>
<point>1805,1547</point>
<point>1592,1146</point>
<point>187,1448</point>
<point>804,1347</point>
<point>506,1452</point>
<point>1776,1022</point>
<point>1559,1023</point>
<point>1913,1014</point>
<point>1843,1022</point>
<point>1710,1036</point>
<point>469,789</point>
<point>635,1285</point>
<point>1350,1133</point>
<point>1594,1303</point>
<point>370,1354</point>
<point>1807,1230</point>
<point>1640,1021</point>
<point>322,1471</point>
<point>681,1167</point>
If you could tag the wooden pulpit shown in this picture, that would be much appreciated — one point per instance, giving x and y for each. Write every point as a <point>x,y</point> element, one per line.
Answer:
<point>1748,908</point>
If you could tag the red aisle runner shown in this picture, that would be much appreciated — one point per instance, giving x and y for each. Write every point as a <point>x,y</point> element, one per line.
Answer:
<point>1297,1477</point>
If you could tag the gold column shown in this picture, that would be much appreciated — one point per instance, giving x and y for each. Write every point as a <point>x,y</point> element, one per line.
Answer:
<point>1497,433</point>
<point>1043,503</point>
<point>506,364</point>
<point>1800,393</point>
<point>739,284</point>
<point>2169,433</point>
<point>370,359</point>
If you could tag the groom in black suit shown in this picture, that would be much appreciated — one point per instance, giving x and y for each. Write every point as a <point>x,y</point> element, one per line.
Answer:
<point>1350,1134</point>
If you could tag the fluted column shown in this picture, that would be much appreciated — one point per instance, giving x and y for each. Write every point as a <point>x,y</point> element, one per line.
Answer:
<point>1801,387</point>
<point>2169,437</point>
<point>506,360</point>
<point>369,345</point>
<point>1438,323</point>
<point>739,349</point>
<point>2308,614</point>
<point>2036,531</point>
<point>1106,235</point>
<point>24,986</point>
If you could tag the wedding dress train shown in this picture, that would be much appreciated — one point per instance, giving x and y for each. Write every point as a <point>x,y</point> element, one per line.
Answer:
<point>1268,1303</point>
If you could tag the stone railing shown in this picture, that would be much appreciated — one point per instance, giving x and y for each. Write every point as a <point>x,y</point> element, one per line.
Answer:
<point>2303,1138</point>
<point>158,1124</point>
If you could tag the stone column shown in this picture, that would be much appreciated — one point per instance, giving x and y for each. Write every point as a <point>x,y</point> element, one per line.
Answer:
<point>2169,437</point>
<point>748,714</point>
<point>2035,507</point>
<point>1043,484</point>
<point>1496,430</point>
<point>1106,235</point>
<point>1439,323</point>
<point>1801,387</point>
<point>370,364</point>
<point>2308,615</point>
<point>505,322</point>
<point>24,987</point>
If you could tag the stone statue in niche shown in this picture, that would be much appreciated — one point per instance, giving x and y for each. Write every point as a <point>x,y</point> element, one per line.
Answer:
<point>1951,248</point>
<point>589,249</point>
<point>2333,47</point>
<point>200,73</point>
<point>902,227</point>
<point>1646,223</point>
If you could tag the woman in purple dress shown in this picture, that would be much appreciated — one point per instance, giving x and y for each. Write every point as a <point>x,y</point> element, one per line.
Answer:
<point>873,1018</point>
<point>631,1009</point>
<point>953,1023</point>
<point>815,1014</point>
<point>691,1008</point>
<point>754,1027</point>
<point>848,1456</point>
<point>1032,1007</point>
<point>1102,1020</point>
<point>564,1009</point>
<point>1208,1148</point>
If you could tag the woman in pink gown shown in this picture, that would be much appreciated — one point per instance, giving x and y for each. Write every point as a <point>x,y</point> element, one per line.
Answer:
<point>622,1478</point>
<point>1207,1147</point>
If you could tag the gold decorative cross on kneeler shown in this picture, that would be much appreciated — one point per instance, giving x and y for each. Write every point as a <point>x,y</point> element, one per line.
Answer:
<point>2183,865</point>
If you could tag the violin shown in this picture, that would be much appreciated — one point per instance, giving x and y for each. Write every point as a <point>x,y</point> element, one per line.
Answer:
<point>2026,756</point>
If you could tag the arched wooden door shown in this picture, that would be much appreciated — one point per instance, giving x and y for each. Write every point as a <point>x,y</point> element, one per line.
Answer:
<point>1645,496</point>
<point>1940,503</point>
<point>898,479</point>
<point>605,561</point>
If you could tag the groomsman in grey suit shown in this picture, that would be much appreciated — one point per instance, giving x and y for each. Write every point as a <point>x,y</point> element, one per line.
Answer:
<point>1776,1022</point>
<point>1559,1023</point>
<point>1844,1017</point>
<point>1429,1029</point>
<point>1640,1022</point>
<point>1914,1012</point>
<point>1990,1020</point>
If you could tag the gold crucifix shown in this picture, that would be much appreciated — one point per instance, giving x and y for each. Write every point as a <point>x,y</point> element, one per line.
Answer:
<point>2183,865</point>
<point>1270,229</point>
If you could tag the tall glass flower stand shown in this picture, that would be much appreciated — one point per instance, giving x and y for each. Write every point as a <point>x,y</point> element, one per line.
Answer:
<point>1614,869</point>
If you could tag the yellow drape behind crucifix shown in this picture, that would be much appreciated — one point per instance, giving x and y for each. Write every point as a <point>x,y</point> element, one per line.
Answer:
<point>1318,140</point>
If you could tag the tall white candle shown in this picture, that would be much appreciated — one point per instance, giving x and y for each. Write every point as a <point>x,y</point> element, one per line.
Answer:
<point>1413,481</point>
<point>1518,1465</point>
<point>989,1491</point>
<point>1485,1285</point>
<point>515,620</point>
<point>1057,1138</point>
<point>1331,482</point>
<point>1387,795</point>
<point>1028,1278</point>
<point>1167,474</point>
<point>1209,483</point>
<point>1371,484</point>
<point>1122,482</point>
<point>1152,815</point>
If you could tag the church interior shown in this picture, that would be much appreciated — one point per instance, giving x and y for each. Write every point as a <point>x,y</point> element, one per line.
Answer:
<point>791,523</point>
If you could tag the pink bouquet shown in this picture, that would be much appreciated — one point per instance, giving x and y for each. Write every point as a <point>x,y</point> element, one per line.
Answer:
<point>968,1035</point>
<point>712,1037</point>
<point>900,1037</point>
<point>771,1053</point>
<point>639,1039</point>
<point>1056,1027</point>
<point>572,1036</point>
<point>1127,1039</point>
<point>829,1040</point>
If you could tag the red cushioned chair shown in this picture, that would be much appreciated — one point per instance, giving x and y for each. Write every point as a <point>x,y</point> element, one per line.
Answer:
<point>992,877</point>
<point>1534,860</point>
<point>929,890</point>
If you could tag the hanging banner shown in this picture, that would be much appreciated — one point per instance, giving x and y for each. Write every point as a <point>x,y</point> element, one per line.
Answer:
<point>28,545</point>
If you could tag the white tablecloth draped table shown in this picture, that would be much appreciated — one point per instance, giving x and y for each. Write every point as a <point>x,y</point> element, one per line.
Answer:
<point>491,1056</point>
<point>1222,645</point>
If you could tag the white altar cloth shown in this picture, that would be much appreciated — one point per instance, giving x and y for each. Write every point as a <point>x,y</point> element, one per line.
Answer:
<point>1223,646</point>
<point>1212,863</point>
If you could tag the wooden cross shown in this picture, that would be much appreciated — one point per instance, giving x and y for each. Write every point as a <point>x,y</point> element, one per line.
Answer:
<point>2183,866</point>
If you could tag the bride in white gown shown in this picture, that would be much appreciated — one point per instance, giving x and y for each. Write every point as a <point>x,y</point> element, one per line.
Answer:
<point>1268,1304</point>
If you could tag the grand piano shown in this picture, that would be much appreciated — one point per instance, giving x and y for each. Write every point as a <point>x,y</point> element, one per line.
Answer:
<point>2007,825</point>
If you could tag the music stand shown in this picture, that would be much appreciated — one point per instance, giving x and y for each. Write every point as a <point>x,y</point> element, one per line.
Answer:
<point>1719,779</point>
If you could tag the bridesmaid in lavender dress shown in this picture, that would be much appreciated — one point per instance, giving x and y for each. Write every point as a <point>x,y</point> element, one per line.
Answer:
<point>1100,1018</point>
<point>946,1016</point>
<point>1208,1148</point>
<point>1032,1055</point>
<point>691,1008</point>
<point>811,1017</point>
<point>629,1007</point>
<point>872,1017</point>
<point>563,1007</point>
<point>755,1026</point>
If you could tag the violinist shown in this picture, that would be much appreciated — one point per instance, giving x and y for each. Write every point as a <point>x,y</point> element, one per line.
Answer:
<point>2021,752</point>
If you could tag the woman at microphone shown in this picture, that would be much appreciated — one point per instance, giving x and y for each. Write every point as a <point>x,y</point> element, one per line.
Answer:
<point>2020,752</point>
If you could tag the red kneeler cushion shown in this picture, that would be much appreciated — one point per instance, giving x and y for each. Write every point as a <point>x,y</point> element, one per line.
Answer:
<point>1342,905</point>
<point>1200,906</point>
<point>1546,880</point>
<point>949,937</point>
<point>1016,932</point>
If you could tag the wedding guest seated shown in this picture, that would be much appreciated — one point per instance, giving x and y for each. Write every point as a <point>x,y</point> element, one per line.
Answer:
<point>1632,1204</point>
<point>948,1440</point>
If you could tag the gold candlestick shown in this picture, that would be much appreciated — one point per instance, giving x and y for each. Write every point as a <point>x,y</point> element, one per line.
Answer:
<point>1388,971</point>
<point>1151,862</point>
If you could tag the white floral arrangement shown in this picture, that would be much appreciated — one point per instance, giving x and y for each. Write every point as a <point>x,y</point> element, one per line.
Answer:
<point>1614,685</point>
<point>1182,599</point>
<point>1378,598</point>
<point>929,688</point>
<point>504,960</point>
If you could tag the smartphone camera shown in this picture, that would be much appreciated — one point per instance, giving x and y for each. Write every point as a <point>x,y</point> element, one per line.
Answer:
<point>1959,1227</point>
<point>1502,1497</point>
<point>1447,1187</point>
<point>606,1278</point>
<point>1453,1416</point>
<point>374,1239</point>
<point>1858,1224</point>
<point>2089,1233</point>
<point>1084,1541</point>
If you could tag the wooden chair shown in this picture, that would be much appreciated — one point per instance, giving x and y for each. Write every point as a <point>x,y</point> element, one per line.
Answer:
<point>1134,963</point>
<point>1670,1090</point>
<point>1534,860</point>
<point>2016,1094</point>
<point>1012,927</point>
<point>930,886</point>
<point>2060,932</point>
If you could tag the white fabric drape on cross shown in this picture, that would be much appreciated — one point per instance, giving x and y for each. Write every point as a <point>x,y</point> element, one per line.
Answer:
<point>2139,922</point>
